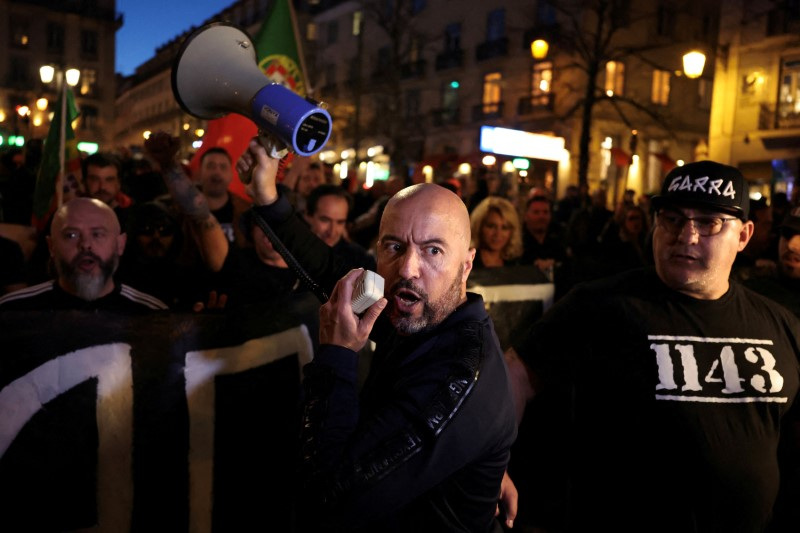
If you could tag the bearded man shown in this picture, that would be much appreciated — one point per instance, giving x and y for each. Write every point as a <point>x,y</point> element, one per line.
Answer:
<point>424,444</point>
<point>85,244</point>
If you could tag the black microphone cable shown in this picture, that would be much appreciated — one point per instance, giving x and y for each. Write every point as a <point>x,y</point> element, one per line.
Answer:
<point>284,252</point>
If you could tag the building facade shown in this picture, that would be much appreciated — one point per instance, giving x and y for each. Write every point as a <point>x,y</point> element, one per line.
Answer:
<point>755,120</point>
<point>422,82</point>
<point>426,89</point>
<point>66,34</point>
<point>145,101</point>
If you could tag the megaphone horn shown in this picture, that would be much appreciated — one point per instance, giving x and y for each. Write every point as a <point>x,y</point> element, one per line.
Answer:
<point>216,73</point>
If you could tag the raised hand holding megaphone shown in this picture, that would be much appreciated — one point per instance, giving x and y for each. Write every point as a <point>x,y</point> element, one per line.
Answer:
<point>216,73</point>
<point>261,169</point>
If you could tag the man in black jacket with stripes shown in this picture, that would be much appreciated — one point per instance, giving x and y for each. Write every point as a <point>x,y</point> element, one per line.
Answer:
<point>425,443</point>
<point>85,244</point>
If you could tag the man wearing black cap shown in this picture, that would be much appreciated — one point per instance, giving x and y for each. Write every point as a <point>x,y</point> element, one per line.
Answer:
<point>675,395</point>
<point>784,287</point>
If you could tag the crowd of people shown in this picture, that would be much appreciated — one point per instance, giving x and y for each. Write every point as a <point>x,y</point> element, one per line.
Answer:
<point>660,371</point>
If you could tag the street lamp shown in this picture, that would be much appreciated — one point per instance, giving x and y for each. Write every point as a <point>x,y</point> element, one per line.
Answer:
<point>539,48</point>
<point>47,73</point>
<point>693,63</point>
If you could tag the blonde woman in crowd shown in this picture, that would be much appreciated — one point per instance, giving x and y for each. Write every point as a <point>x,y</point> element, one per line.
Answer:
<point>496,233</point>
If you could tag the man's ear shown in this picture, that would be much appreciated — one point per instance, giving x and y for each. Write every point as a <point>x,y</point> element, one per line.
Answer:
<point>468,264</point>
<point>745,234</point>
<point>122,238</point>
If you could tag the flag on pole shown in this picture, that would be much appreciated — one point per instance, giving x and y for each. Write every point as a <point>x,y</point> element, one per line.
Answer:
<point>59,143</point>
<point>279,57</point>
<point>621,157</point>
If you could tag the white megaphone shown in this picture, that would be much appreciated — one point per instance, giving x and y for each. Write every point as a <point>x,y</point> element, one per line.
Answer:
<point>216,73</point>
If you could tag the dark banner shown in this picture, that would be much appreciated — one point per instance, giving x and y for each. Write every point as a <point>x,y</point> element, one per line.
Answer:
<point>515,298</point>
<point>172,422</point>
<point>154,423</point>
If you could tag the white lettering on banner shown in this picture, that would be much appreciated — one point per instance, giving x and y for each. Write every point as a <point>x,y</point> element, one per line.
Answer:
<point>201,367</point>
<point>722,368</point>
<point>687,183</point>
<point>21,399</point>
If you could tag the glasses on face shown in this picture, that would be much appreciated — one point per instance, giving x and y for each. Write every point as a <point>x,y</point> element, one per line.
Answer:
<point>704,225</point>
<point>150,230</point>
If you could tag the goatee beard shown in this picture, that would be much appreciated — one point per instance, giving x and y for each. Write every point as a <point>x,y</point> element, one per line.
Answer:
<point>87,286</point>
<point>433,313</point>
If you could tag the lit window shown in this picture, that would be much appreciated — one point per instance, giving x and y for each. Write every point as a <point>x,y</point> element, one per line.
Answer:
<point>615,78</point>
<point>358,17</point>
<point>491,92</point>
<point>789,92</point>
<point>659,93</point>
<point>88,81</point>
<point>541,81</point>
<point>20,33</point>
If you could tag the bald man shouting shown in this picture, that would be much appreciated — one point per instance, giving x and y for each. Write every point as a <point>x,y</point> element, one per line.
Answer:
<point>425,442</point>
<point>85,244</point>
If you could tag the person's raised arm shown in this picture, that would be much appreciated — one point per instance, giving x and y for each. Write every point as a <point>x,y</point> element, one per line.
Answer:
<point>162,148</point>
<point>259,170</point>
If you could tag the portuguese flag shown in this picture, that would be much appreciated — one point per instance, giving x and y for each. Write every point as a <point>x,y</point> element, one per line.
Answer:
<point>279,57</point>
<point>59,144</point>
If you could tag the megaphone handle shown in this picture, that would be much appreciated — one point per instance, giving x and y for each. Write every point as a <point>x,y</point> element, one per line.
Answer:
<point>276,149</point>
<point>284,252</point>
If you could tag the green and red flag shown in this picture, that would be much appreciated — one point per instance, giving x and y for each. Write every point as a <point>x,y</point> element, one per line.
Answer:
<point>279,57</point>
<point>60,142</point>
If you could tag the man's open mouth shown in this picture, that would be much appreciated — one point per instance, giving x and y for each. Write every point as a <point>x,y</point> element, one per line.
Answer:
<point>406,299</point>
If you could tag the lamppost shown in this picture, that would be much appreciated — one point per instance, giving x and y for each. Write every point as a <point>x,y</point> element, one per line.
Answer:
<point>71,76</point>
<point>693,63</point>
<point>539,48</point>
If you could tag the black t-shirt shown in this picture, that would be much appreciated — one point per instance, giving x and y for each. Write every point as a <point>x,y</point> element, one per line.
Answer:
<point>781,289</point>
<point>675,405</point>
<point>224,216</point>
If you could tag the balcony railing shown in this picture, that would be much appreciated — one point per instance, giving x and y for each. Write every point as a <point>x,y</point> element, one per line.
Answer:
<point>445,117</point>
<point>490,49</point>
<point>450,59</point>
<point>533,104</point>
<point>487,111</point>
<point>772,117</point>
<point>413,69</point>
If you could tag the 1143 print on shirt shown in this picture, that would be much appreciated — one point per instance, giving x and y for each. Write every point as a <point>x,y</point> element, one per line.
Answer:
<point>716,370</point>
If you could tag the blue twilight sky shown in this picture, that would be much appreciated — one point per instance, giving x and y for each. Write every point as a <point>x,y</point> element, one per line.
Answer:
<point>148,24</point>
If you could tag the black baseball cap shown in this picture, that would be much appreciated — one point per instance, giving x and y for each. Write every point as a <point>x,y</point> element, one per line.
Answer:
<point>707,185</point>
